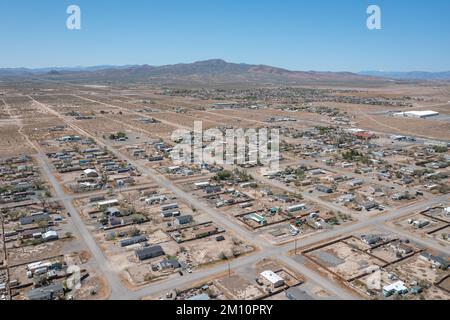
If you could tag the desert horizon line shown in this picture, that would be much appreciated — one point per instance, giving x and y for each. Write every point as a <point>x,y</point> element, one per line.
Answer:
<point>130,65</point>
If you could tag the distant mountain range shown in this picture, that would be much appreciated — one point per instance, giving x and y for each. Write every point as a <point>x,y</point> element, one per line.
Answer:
<point>412,75</point>
<point>37,71</point>
<point>214,71</point>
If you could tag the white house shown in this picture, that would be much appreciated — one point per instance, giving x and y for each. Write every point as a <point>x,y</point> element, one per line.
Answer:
<point>107,203</point>
<point>50,236</point>
<point>274,279</point>
<point>201,185</point>
<point>297,207</point>
<point>91,173</point>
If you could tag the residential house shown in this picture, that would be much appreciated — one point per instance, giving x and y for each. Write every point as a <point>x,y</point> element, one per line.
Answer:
<point>50,235</point>
<point>170,264</point>
<point>50,292</point>
<point>113,212</point>
<point>274,279</point>
<point>91,173</point>
<point>149,252</point>
<point>437,261</point>
<point>369,205</point>
<point>34,219</point>
<point>133,240</point>
<point>181,220</point>
<point>355,183</point>
<point>395,288</point>
<point>401,247</point>
<point>371,239</point>
<point>324,189</point>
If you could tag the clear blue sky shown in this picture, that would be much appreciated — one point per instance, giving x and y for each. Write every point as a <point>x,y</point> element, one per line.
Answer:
<point>295,34</point>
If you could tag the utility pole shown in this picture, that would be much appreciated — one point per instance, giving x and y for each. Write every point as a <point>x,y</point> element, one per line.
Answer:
<point>229,269</point>
<point>5,253</point>
<point>295,250</point>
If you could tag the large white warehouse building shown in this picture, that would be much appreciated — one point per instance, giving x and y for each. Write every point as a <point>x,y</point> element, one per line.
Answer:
<point>417,114</point>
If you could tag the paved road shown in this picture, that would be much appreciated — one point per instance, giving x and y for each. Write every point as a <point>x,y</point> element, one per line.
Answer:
<point>102,263</point>
<point>425,242</point>
<point>334,289</point>
<point>375,222</point>
<point>186,280</point>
